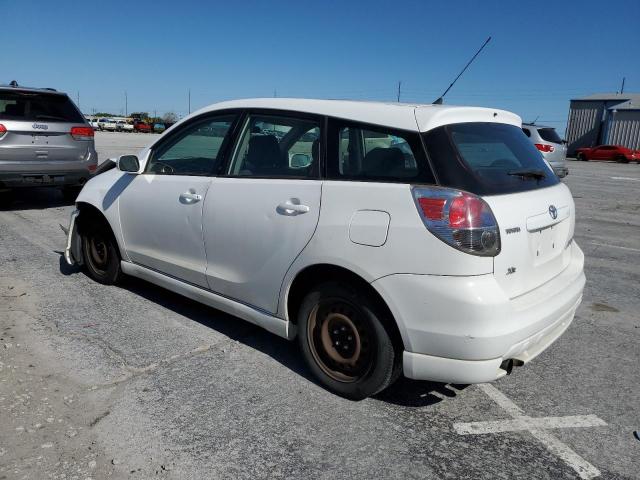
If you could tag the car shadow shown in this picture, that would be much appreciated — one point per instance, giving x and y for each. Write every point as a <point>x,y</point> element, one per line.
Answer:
<point>33,198</point>
<point>405,392</point>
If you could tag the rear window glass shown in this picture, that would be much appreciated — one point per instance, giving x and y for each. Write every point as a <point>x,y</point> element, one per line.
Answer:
<point>487,159</point>
<point>38,107</point>
<point>549,135</point>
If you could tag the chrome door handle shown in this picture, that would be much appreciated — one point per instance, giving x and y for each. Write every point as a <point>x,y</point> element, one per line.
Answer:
<point>288,208</point>
<point>190,197</point>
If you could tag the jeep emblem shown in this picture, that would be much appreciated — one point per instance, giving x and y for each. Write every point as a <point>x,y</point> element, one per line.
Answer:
<point>40,126</point>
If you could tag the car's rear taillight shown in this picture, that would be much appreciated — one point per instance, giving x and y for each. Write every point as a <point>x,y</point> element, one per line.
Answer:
<point>460,219</point>
<point>82,133</point>
<point>544,148</point>
<point>3,130</point>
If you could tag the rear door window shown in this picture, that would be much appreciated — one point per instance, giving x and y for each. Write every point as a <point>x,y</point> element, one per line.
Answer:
<point>487,159</point>
<point>43,107</point>
<point>278,147</point>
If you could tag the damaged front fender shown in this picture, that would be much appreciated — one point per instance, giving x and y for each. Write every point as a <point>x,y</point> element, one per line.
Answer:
<point>73,250</point>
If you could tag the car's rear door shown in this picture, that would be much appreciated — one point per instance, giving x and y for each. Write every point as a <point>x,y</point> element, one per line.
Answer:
<point>260,216</point>
<point>161,209</point>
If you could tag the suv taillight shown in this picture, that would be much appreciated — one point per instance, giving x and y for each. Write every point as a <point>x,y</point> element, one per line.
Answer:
<point>460,219</point>
<point>82,133</point>
<point>3,130</point>
<point>544,148</point>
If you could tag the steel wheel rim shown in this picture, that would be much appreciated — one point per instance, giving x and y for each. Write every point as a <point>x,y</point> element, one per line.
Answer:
<point>98,253</point>
<point>340,340</point>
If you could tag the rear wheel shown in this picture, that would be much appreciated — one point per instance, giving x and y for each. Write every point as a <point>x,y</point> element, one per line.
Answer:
<point>582,157</point>
<point>621,159</point>
<point>344,341</point>
<point>100,254</point>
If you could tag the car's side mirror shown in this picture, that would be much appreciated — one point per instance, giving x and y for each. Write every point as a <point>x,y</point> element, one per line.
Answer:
<point>128,163</point>
<point>300,160</point>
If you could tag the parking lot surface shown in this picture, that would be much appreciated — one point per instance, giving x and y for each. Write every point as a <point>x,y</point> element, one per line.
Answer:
<point>134,381</point>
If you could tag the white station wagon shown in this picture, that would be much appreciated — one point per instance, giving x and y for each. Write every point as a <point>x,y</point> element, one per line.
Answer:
<point>425,240</point>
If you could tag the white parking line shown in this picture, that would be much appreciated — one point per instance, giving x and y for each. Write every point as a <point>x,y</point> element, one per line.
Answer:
<point>537,427</point>
<point>631,249</point>
<point>633,179</point>
<point>528,423</point>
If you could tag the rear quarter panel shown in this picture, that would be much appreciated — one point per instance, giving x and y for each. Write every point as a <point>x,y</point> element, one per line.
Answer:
<point>409,247</point>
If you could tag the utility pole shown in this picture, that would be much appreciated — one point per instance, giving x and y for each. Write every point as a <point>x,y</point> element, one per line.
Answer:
<point>126,111</point>
<point>399,86</point>
<point>622,88</point>
<point>79,100</point>
<point>189,101</point>
<point>275,93</point>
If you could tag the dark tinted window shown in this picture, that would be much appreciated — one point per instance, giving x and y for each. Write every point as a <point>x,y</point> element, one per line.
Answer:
<point>38,107</point>
<point>369,153</point>
<point>549,135</point>
<point>527,132</point>
<point>486,158</point>
<point>278,147</point>
<point>193,150</point>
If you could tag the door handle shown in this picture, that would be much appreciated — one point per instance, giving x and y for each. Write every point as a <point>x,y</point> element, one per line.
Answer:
<point>289,208</point>
<point>190,197</point>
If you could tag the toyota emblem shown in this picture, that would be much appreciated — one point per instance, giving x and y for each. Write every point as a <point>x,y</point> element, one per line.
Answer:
<point>553,211</point>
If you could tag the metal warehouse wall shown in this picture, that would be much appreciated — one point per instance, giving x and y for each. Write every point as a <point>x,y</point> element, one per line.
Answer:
<point>584,124</point>
<point>623,128</point>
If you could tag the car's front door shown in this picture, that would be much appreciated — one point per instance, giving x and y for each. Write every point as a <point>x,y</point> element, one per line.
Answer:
<point>262,213</point>
<point>161,209</point>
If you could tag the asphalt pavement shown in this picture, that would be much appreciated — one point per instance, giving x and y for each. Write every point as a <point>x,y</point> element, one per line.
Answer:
<point>134,381</point>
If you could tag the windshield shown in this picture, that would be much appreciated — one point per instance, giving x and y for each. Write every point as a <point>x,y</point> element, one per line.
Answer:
<point>549,135</point>
<point>487,159</point>
<point>38,106</point>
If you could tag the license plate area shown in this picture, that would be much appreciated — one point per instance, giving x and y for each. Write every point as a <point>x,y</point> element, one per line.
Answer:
<point>43,179</point>
<point>545,244</point>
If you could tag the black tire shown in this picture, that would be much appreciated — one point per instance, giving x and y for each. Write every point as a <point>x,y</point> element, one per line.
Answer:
<point>100,253</point>
<point>337,316</point>
<point>621,159</point>
<point>582,157</point>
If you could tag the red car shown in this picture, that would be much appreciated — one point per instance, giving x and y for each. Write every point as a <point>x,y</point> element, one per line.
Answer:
<point>608,152</point>
<point>142,127</point>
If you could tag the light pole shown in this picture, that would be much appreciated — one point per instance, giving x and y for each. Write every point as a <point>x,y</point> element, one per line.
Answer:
<point>126,111</point>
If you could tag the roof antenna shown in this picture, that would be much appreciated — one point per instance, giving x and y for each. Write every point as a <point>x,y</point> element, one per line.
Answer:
<point>536,119</point>
<point>441,98</point>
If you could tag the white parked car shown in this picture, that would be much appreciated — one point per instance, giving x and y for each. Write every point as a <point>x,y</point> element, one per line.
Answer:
<point>122,126</point>
<point>427,240</point>
<point>108,124</point>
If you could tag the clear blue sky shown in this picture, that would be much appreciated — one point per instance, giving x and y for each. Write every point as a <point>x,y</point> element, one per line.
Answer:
<point>541,55</point>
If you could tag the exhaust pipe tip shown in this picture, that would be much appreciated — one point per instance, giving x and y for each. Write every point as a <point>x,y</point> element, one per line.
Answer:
<point>508,364</point>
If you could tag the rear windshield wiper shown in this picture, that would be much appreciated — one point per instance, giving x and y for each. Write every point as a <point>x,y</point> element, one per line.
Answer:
<point>537,174</point>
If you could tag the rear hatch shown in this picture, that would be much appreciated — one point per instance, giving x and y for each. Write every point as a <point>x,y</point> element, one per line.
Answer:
<point>534,211</point>
<point>38,128</point>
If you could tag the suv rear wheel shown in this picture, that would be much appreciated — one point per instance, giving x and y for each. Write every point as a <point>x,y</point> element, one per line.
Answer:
<point>344,342</point>
<point>100,253</point>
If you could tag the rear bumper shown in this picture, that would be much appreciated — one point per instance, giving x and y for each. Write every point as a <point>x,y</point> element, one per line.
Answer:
<point>39,178</point>
<point>561,172</point>
<point>461,329</point>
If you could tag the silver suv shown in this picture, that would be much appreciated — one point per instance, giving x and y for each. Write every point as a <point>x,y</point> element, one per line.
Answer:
<point>44,140</point>
<point>550,145</point>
